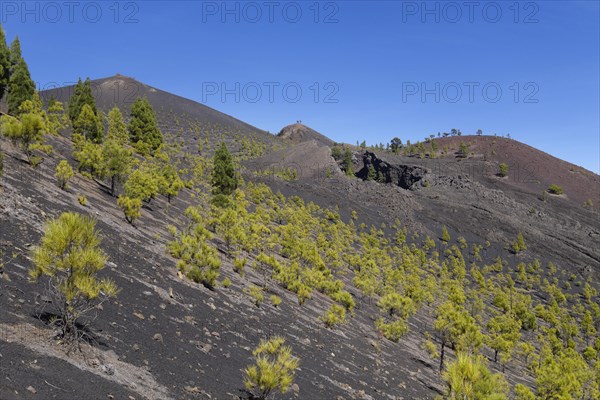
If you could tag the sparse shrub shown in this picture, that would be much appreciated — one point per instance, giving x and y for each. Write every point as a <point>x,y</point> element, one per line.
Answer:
<point>590,354</point>
<point>392,331</point>
<point>273,369</point>
<point>70,256</point>
<point>445,235</point>
<point>238,265</point>
<point>222,201</point>
<point>256,293</point>
<point>131,207</point>
<point>428,243</point>
<point>555,189</point>
<point>275,300</point>
<point>27,133</point>
<point>336,315</point>
<point>589,292</point>
<point>519,244</point>
<point>427,184</point>
<point>63,174</point>
<point>463,150</point>
<point>303,293</point>
<point>396,304</point>
<point>469,378</point>
<point>82,200</point>
<point>503,170</point>
<point>226,282</point>
<point>288,174</point>
<point>337,153</point>
<point>430,348</point>
<point>198,260</point>
<point>344,298</point>
<point>522,392</point>
<point>588,203</point>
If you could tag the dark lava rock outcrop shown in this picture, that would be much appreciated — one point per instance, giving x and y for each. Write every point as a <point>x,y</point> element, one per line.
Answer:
<point>404,176</point>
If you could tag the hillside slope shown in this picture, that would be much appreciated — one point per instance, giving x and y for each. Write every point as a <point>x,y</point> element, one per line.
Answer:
<point>166,337</point>
<point>176,114</point>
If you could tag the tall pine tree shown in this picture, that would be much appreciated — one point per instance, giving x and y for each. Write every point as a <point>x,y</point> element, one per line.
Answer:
<point>89,125</point>
<point>82,95</point>
<point>143,130</point>
<point>15,52</point>
<point>20,86</point>
<point>117,130</point>
<point>4,64</point>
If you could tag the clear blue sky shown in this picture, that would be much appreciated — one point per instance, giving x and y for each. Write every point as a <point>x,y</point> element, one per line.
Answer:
<point>382,69</point>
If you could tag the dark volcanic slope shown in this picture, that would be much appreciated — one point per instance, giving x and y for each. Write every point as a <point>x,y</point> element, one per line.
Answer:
<point>173,110</point>
<point>466,195</point>
<point>530,169</point>
<point>165,337</point>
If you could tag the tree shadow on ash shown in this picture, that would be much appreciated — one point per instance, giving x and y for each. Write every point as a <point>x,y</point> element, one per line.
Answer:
<point>84,333</point>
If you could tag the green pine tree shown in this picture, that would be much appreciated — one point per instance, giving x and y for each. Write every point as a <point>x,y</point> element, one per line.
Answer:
<point>15,52</point>
<point>4,64</point>
<point>69,255</point>
<point>82,95</point>
<point>143,129</point>
<point>347,163</point>
<point>117,162</point>
<point>131,208</point>
<point>371,173</point>
<point>273,370</point>
<point>224,180</point>
<point>89,124</point>
<point>445,235</point>
<point>27,133</point>
<point>468,378</point>
<point>117,130</point>
<point>142,184</point>
<point>56,119</point>
<point>20,85</point>
<point>63,174</point>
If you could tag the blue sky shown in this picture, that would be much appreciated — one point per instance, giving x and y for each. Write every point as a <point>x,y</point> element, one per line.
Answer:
<point>351,70</point>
